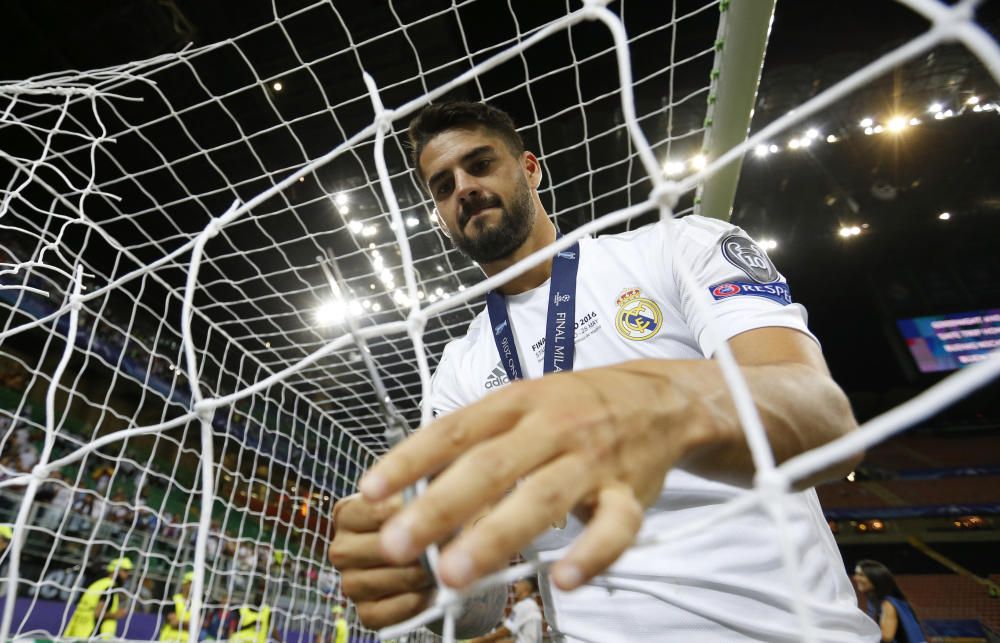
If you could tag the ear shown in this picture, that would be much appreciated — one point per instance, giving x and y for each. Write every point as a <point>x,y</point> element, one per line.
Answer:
<point>532,169</point>
<point>441,224</point>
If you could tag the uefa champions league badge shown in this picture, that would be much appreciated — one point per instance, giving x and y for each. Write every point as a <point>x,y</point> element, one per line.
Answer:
<point>748,257</point>
<point>638,318</point>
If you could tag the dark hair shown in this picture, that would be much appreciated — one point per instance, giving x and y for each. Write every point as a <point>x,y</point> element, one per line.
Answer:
<point>883,583</point>
<point>440,117</point>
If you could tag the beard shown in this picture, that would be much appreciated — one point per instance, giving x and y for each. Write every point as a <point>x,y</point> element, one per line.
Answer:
<point>499,241</point>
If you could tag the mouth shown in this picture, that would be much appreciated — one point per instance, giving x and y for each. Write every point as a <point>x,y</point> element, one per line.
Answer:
<point>471,213</point>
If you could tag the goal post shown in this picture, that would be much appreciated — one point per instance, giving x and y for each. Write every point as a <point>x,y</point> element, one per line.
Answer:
<point>744,28</point>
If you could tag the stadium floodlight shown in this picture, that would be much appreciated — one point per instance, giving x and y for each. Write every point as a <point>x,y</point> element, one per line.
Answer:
<point>332,312</point>
<point>935,108</point>
<point>673,168</point>
<point>972,100</point>
<point>761,150</point>
<point>867,122</point>
<point>812,133</point>
<point>698,162</point>
<point>768,244</point>
<point>277,86</point>
<point>355,226</point>
<point>944,216</point>
<point>897,124</point>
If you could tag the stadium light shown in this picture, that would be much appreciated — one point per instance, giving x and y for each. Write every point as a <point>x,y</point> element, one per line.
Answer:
<point>849,231</point>
<point>411,222</point>
<point>935,108</point>
<point>944,216</point>
<point>897,124</point>
<point>761,150</point>
<point>794,144</point>
<point>812,133</point>
<point>355,226</point>
<point>768,244</point>
<point>332,312</point>
<point>832,139</point>
<point>277,86</point>
<point>972,100</point>
<point>340,198</point>
<point>698,161</point>
<point>866,122</point>
<point>673,168</point>
<point>369,230</point>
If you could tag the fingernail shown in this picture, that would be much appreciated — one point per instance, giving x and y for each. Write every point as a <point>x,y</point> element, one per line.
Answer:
<point>373,486</point>
<point>396,540</point>
<point>457,567</point>
<point>567,576</point>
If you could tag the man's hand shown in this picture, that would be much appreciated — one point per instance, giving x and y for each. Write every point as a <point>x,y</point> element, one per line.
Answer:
<point>574,440</point>
<point>598,442</point>
<point>384,592</point>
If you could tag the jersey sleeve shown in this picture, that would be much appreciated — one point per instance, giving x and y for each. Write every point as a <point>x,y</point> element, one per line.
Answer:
<point>737,279</point>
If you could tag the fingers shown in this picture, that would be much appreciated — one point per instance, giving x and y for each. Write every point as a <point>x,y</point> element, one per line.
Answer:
<point>392,610</point>
<point>466,488</point>
<point>356,551</point>
<point>429,450</point>
<point>374,584</point>
<point>355,513</point>
<point>546,496</point>
<point>611,530</point>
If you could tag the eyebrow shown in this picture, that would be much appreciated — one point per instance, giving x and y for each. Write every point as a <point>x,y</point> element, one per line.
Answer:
<point>468,156</point>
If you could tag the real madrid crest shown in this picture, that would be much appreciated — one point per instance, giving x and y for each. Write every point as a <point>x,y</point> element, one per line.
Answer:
<point>638,318</point>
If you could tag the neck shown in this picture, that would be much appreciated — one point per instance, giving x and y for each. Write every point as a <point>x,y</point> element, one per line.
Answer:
<point>543,234</point>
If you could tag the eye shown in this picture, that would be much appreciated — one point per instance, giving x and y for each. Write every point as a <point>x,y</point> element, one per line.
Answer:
<point>481,165</point>
<point>443,189</point>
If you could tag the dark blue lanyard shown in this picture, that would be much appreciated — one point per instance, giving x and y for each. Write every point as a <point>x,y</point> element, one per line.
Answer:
<point>559,337</point>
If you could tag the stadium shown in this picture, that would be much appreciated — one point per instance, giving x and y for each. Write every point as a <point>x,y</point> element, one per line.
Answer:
<point>224,291</point>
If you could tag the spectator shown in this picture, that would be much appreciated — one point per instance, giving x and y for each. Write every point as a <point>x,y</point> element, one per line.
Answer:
<point>61,500</point>
<point>886,603</point>
<point>99,609</point>
<point>101,475</point>
<point>524,625</point>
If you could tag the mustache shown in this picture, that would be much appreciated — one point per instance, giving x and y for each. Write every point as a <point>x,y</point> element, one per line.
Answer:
<point>474,205</point>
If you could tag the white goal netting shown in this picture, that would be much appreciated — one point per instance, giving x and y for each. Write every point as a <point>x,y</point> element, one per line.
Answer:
<point>181,383</point>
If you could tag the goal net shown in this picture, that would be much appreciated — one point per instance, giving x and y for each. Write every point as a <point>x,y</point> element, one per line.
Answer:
<point>213,262</point>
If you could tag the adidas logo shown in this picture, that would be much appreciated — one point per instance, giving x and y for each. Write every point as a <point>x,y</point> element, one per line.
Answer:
<point>496,378</point>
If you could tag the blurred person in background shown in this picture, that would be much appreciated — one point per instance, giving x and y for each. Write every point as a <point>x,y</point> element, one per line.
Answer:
<point>886,603</point>
<point>176,627</point>
<point>97,613</point>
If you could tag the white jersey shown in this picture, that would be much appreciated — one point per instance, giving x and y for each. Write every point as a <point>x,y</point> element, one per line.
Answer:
<point>525,622</point>
<point>726,583</point>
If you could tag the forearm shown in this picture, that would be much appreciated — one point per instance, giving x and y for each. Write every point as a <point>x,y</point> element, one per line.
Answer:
<point>800,406</point>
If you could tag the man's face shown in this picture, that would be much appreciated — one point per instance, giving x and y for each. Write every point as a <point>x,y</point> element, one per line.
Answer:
<point>481,192</point>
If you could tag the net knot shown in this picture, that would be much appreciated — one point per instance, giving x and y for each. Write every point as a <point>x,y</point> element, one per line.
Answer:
<point>771,485</point>
<point>592,7</point>
<point>384,119</point>
<point>666,194</point>
<point>40,472</point>
<point>417,320</point>
<point>204,410</point>
<point>213,228</point>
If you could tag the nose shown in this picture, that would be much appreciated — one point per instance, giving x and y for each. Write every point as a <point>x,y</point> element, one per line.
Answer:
<point>466,186</point>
